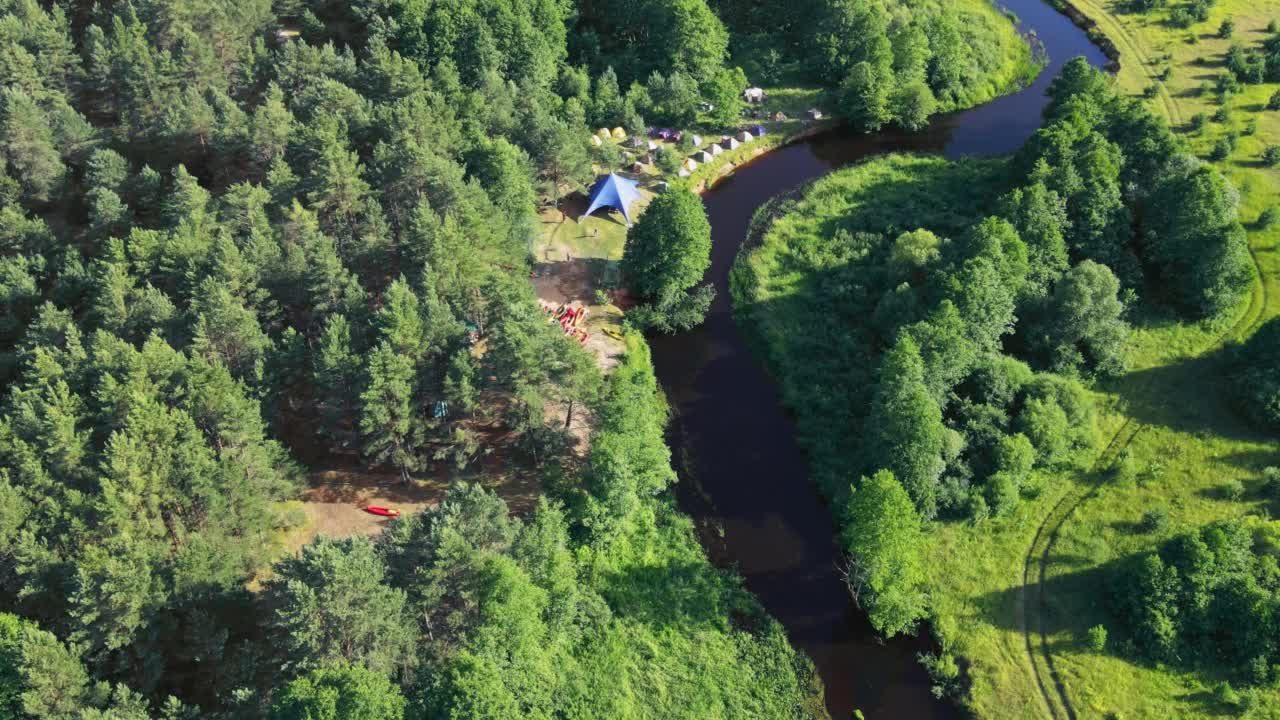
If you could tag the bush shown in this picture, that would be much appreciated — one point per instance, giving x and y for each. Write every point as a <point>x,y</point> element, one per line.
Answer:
<point>1251,127</point>
<point>1221,150</point>
<point>1227,28</point>
<point>1232,490</point>
<point>1274,102</point>
<point>1222,114</point>
<point>1255,376</point>
<point>1271,482</point>
<point>1271,156</point>
<point>1226,695</point>
<point>1267,219</point>
<point>1096,638</point>
<point>1154,520</point>
<point>944,671</point>
<point>1199,120</point>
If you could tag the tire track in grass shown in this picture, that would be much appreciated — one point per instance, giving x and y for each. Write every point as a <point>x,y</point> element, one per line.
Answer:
<point>1054,521</point>
<point>1036,560</point>
<point>1130,45</point>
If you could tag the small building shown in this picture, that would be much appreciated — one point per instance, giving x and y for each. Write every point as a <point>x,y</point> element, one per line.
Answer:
<point>753,95</point>
<point>745,136</point>
<point>813,114</point>
<point>779,116</point>
<point>619,134</point>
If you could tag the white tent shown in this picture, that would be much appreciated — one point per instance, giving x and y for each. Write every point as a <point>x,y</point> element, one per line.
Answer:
<point>703,157</point>
<point>696,140</point>
<point>715,149</point>
<point>753,94</point>
<point>690,164</point>
<point>746,136</point>
<point>639,143</point>
<point>683,173</point>
<point>732,144</point>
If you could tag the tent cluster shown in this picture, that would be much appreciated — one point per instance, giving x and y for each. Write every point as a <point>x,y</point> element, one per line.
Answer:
<point>728,142</point>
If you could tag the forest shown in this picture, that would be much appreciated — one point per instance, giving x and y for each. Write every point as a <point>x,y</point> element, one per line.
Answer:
<point>245,239</point>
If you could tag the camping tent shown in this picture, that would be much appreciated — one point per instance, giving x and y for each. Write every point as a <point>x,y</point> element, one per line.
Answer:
<point>619,134</point>
<point>596,141</point>
<point>754,94</point>
<point>715,149</point>
<point>703,157</point>
<point>639,143</point>
<point>757,130</point>
<point>732,144</point>
<point>690,164</point>
<point>614,192</point>
<point>696,140</point>
<point>604,133</point>
<point>745,136</point>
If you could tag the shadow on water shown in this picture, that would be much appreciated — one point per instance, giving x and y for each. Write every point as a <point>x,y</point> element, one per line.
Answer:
<point>744,472</point>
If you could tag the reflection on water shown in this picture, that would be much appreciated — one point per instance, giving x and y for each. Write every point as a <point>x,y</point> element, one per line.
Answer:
<point>748,474</point>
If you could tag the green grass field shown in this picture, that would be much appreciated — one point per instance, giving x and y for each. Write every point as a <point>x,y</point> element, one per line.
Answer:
<point>1175,441</point>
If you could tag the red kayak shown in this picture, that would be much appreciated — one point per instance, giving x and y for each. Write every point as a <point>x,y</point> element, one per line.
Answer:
<point>379,510</point>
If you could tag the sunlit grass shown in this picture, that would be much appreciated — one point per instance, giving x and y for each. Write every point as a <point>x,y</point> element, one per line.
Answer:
<point>1190,442</point>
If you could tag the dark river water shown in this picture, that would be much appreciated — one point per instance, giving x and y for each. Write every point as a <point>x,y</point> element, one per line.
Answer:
<point>742,469</point>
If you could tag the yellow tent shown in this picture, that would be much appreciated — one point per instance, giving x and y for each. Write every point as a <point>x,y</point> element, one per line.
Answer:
<point>596,141</point>
<point>619,134</point>
<point>603,132</point>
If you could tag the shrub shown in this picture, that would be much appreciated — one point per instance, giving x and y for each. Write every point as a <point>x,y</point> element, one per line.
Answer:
<point>1221,150</point>
<point>1251,127</point>
<point>1154,520</point>
<point>1227,28</point>
<point>1232,490</point>
<point>1274,102</point>
<point>1226,695</point>
<point>1222,114</point>
<point>1096,638</point>
<point>1271,156</point>
<point>1271,482</point>
<point>1267,219</point>
<point>1199,120</point>
<point>1271,26</point>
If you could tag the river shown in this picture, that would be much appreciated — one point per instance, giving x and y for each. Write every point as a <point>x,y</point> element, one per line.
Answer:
<point>741,468</point>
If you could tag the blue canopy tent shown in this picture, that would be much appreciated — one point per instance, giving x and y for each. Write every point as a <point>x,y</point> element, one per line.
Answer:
<point>614,192</point>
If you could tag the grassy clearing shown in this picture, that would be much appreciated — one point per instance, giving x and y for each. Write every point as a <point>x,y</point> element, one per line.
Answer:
<point>1186,444</point>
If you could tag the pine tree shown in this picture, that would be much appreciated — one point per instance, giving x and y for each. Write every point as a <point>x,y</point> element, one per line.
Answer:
<point>389,419</point>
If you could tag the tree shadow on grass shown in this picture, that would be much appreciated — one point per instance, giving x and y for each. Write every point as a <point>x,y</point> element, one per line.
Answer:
<point>1187,396</point>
